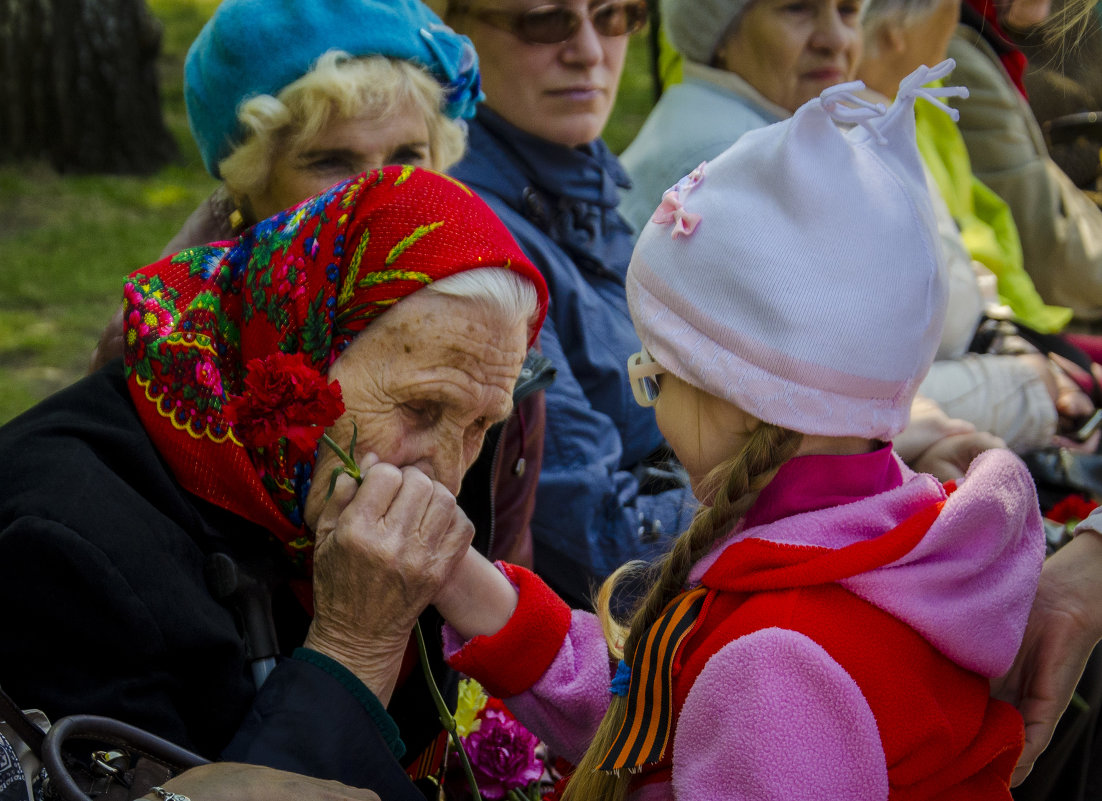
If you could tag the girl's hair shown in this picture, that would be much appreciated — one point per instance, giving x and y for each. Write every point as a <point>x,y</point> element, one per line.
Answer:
<point>504,293</point>
<point>339,85</point>
<point>736,483</point>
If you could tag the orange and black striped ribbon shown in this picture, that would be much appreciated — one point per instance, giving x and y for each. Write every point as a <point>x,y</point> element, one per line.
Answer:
<point>649,713</point>
<point>431,758</point>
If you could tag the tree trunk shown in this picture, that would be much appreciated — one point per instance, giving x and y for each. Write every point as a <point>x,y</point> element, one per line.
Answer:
<point>78,85</point>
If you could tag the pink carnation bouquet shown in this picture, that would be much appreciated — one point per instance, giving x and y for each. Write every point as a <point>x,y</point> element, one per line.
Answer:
<point>508,760</point>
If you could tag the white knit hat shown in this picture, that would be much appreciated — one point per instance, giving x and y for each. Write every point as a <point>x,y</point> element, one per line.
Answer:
<point>696,27</point>
<point>798,275</point>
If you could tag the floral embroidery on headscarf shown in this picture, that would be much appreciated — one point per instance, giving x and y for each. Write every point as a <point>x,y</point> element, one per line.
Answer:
<point>303,282</point>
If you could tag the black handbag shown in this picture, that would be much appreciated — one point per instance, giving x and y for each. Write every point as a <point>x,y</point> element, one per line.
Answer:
<point>125,762</point>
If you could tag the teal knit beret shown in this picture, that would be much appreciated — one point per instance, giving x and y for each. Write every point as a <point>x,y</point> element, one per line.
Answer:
<point>254,47</point>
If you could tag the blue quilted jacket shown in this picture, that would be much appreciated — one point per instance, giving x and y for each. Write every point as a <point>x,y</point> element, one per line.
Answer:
<point>599,502</point>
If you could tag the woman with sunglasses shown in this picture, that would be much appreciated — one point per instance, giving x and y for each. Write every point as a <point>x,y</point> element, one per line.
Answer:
<point>550,74</point>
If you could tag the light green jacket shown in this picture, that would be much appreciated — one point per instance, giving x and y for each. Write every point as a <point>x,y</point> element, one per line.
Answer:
<point>1059,227</point>
<point>986,223</point>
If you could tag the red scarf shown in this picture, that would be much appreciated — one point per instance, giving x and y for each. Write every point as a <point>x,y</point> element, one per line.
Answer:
<point>303,282</point>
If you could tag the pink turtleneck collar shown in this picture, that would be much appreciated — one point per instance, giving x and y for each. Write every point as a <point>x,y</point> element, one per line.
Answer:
<point>819,481</point>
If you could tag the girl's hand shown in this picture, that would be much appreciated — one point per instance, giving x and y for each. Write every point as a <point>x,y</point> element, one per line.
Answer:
<point>384,551</point>
<point>478,599</point>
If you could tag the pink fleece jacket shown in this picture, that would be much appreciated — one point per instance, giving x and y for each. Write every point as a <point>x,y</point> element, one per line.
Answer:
<point>773,714</point>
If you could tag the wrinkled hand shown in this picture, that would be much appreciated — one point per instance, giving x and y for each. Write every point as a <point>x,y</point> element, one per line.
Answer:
<point>1064,626</point>
<point>927,425</point>
<point>949,457</point>
<point>110,343</point>
<point>231,781</point>
<point>383,550</point>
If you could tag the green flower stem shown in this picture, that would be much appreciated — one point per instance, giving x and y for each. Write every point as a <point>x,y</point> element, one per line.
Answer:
<point>350,466</point>
<point>446,719</point>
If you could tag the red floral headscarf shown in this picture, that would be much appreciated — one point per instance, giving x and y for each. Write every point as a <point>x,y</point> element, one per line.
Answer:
<point>304,282</point>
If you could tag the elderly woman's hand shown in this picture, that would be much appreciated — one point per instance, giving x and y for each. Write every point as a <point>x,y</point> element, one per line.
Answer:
<point>1064,626</point>
<point>231,781</point>
<point>383,552</point>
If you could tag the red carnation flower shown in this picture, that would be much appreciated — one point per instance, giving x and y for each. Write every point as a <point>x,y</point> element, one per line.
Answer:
<point>1071,509</point>
<point>284,399</point>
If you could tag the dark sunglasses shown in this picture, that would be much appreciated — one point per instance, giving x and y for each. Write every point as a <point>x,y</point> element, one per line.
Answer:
<point>553,24</point>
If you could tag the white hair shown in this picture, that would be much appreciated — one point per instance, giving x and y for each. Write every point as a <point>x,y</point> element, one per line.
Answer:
<point>501,292</point>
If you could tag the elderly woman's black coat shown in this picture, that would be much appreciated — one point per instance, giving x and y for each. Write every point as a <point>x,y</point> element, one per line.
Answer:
<point>107,610</point>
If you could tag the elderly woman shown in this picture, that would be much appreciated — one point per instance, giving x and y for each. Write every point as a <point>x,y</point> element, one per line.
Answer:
<point>747,64</point>
<point>1013,391</point>
<point>127,494</point>
<point>1061,228</point>
<point>550,74</point>
<point>286,98</point>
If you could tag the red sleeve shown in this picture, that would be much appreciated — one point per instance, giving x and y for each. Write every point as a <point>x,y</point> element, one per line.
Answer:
<point>513,659</point>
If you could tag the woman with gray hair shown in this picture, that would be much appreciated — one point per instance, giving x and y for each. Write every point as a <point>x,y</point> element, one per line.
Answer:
<point>392,312</point>
<point>287,98</point>
<point>1011,390</point>
<point>748,63</point>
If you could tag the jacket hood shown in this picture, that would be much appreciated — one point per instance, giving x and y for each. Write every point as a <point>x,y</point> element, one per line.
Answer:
<point>961,569</point>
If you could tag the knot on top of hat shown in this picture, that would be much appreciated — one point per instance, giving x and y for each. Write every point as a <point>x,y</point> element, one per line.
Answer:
<point>844,106</point>
<point>672,209</point>
<point>913,86</point>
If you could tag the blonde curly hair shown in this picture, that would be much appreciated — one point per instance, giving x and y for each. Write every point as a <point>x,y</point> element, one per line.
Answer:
<point>338,86</point>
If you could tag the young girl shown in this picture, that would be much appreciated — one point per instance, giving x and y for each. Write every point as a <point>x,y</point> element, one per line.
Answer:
<point>827,626</point>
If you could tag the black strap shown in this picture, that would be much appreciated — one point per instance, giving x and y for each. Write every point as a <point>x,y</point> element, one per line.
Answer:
<point>22,725</point>
<point>1058,344</point>
<point>1047,344</point>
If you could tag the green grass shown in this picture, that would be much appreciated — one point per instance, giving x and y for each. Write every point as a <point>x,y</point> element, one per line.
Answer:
<point>67,242</point>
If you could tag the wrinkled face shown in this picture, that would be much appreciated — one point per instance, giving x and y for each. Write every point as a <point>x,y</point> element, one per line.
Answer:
<point>423,383</point>
<point>345,147</point>
<point>791,50</point>
<point>702,429</point>
<point>561,92</point>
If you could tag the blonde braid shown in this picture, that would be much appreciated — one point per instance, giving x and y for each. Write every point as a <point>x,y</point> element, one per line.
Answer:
<point>739,480</point>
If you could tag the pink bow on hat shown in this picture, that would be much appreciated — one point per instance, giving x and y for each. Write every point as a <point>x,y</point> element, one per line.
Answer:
<point>672,210</point>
